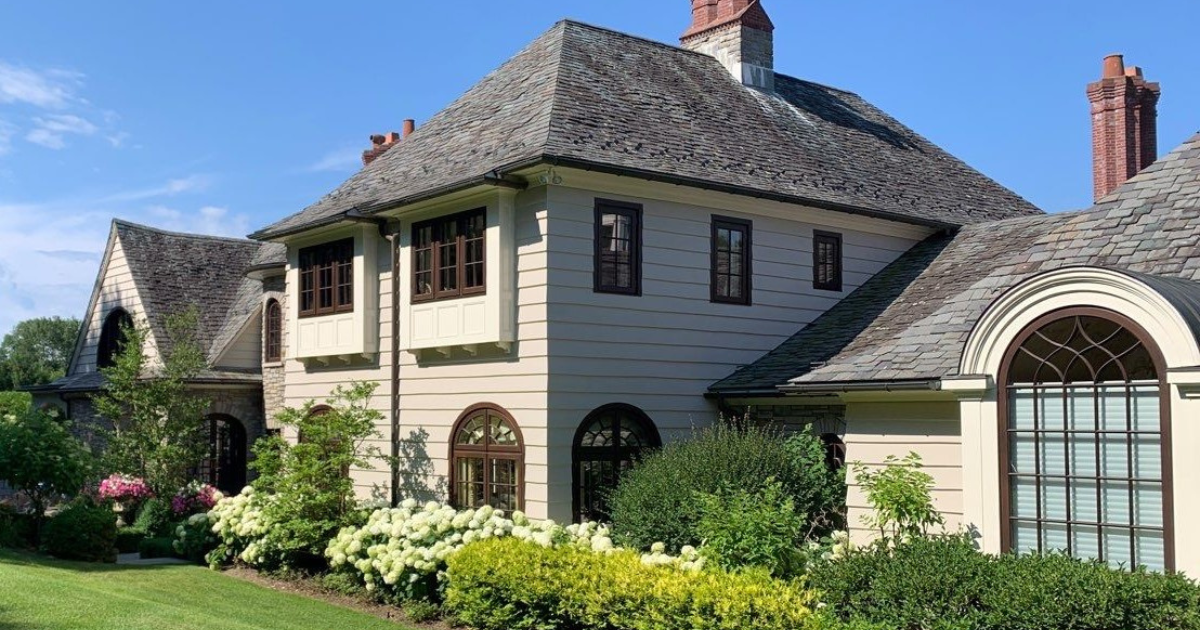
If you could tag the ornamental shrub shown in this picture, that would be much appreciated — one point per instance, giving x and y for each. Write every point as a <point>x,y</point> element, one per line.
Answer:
<point>82,531</point>
<point>40,458</point>
<point>158,547</point>
<point>656,500</point>
<point>15,403</point>
<point>760,528</point>
<point>900,494</point>
<point>194,538</point>
<point>128,539</point>
<point>505,584</point>
<point>194,498</point>
<point>155,518</point>
<point>16,529</point>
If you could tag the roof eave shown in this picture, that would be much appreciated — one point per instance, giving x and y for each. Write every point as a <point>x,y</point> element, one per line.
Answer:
<point>845,387</point>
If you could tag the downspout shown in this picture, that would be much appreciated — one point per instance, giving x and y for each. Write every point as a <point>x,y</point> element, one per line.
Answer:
<point>394,238</point>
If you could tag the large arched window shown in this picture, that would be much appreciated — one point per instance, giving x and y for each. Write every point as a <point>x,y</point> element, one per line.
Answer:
<point>608,442</point>
<point>273,332</point>
<point>487,460</point>
<point>1086,440</point>
<point>112,336</point>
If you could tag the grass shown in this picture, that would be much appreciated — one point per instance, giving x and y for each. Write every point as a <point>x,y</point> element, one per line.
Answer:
<point>37,593</point>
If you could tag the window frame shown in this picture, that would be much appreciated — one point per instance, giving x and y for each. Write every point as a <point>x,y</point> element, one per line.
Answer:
<point>460,245</point>
<point>337,256</point>
<point>614,453</point>
<point>834,283</point>
<point>112,337</point>
<point>634,212</point>
<point>747,284</point>
<point>273,331</point>
<point>488,453</point>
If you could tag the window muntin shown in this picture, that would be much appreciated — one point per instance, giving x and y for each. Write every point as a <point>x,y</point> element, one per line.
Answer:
<point>273,340</point>
<point>1085,449</point>
<point>327,279</point>
<point>225,466</point>
<point>608,443</point>
<point>827,261</point>
<point>112,337</point>
<point>487,460</point>
<point>449,256</point>
<point>731,260</point>
<point>618,257</point>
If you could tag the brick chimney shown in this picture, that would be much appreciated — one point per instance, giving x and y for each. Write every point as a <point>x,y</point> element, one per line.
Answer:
<point>380,143</point>
<point>1124,125</point>
<point>739,34</point>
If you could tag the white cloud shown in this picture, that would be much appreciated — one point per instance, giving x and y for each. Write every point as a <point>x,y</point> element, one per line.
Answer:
<point>191,183</point>
<point>48,89</point>
<point>340,161</point>
<point>51,131</point>
<point>211,220</point>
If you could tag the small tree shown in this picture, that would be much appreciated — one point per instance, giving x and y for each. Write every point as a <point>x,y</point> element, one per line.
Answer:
<point>37,351</point>
<point>41,458</point>
<point>899,493</point>
<point>158,429</point>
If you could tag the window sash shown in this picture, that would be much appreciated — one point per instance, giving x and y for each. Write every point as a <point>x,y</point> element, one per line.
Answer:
<point>827,261</point>
<point>732,258</point>
<point>618,243</point>
<point>450,256</point>
<point>274,341</point>
<point>327,279</point>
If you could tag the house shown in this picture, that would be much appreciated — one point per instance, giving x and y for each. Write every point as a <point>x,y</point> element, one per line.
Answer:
<point>608,241</point>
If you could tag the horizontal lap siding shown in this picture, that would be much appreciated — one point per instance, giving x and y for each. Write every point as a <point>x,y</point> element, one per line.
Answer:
<point>117,290</point>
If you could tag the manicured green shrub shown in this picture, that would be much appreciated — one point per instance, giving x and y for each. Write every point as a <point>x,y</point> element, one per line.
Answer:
<point>157,548</point>
<point>155,518</point>
<point>656,500</point>
<point>760,528</point>
<point>16,529</point>
<point>194,538</point>
<point>508,584</point>
<point>82,531</point>
<point>128,539</point>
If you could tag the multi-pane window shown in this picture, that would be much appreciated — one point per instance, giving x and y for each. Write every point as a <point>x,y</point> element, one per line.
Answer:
<point>487,460</point>
<point>327,279</point>
<point>273,342</point>
<point>827,261</point>
<point>731,256</point>
<point>1083,450</point>
<point>608,443</point>
<point>448,256</point>
<point>618,237</point>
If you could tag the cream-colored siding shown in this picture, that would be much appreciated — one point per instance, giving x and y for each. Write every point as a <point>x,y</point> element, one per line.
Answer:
<point>115,289</point>
<point>245,351</point>
<point>931,429</point>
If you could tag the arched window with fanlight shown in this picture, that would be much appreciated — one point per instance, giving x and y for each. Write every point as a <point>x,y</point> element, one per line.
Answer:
<point>112,337</point>
<point>1085,441</point>
<point>273,327</point>
<point>487,460</point>
<point>607,444</point>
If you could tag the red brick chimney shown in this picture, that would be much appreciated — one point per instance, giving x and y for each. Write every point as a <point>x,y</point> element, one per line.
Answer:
<point>739,33</point>
<point>1124,125</point>
<point>381,143</point>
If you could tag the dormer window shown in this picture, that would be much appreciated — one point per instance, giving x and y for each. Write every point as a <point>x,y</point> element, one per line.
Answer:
<point>327,279</point>
<point>448,256</point>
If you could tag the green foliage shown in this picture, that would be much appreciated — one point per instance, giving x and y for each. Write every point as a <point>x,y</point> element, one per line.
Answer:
<point>157,547</point>
<point>37,352</point>
<point>741,528</point>
<point>194,538</point>
<point>900,496</point>
<point>159,431</point>
<point>343,583</point>
<point>944,583</point>
<point>16,530</point>
<point>504,584</point>
<point>82,531</point>
<point>15,403</point>
<point>655,501</point>
<point>155,518</point>
<point>40,458</point>
<point>422,612</point>
<point>128,539</point>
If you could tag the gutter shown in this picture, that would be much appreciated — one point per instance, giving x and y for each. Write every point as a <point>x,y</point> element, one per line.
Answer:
<point>923,385</point>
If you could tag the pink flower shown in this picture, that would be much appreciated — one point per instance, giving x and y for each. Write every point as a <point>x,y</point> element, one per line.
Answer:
<point>119,487</point>
<point>194,498</point>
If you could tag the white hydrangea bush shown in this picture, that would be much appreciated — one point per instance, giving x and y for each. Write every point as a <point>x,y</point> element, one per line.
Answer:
<point>241,530</point>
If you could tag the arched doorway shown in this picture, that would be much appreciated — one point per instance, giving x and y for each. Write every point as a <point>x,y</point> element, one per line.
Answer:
<point>226,466</point>
<point>1085,441</point>
<point>607,444</point>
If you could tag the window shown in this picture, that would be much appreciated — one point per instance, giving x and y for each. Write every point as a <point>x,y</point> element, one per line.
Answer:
<point>618,261</point>
<point>448,256</point>
<point>273,343</point>
<point>112,337</point>
<point>225,468</point>
<point>835,451</point>
<point>1085,441</point>
<point>607,444</point>
<point>827,261</point>
<point>327,279</point>
<point>731,260</point>
<point>487,460</point>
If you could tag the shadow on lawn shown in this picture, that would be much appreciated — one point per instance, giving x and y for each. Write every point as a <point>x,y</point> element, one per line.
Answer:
<point>30,559</point>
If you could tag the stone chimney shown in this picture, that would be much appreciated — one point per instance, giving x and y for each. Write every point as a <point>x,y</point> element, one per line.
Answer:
<point>739,34</point>
<point>380,143</point>
<point>1124,125</point>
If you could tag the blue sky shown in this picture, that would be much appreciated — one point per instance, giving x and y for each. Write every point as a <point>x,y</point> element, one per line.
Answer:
<point>223,116</point>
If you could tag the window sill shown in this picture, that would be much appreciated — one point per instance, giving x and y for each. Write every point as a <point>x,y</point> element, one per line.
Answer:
<point>272,364</point>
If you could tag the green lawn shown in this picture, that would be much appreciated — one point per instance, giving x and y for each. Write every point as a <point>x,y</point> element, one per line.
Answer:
<point>37,593</point>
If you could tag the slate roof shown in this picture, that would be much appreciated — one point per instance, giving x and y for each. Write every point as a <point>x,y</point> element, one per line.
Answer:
<point>590,97</point>
<point>912,321</point>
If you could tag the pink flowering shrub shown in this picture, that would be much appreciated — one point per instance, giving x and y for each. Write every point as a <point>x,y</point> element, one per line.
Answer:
<point>121,488</point>
<point>194,498</point>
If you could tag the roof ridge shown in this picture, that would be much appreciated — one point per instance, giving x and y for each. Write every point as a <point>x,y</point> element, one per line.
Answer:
<point>164,232</point>
<point>640,38</point>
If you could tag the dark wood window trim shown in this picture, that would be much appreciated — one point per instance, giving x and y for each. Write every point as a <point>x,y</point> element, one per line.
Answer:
<point>273,327</point>
<point>327,279</point>
<point>490,454</point>
<point>605,262</point>
<point>583,504</point>
<point>827,261</point>
<point>448,259</point>
<point>1005,427</point>
<point>744,281</point>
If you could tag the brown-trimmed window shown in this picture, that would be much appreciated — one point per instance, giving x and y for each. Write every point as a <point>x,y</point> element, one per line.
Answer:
<point>827,261</point>
<point>731,260</point>
<point>327,279</point>
<point>448,256</point>
<point>618,237</point>
<point>1085,449</point>
<point>835,451</point>
<point>273,342</point>
<point>487,460</point>
<point>609,442</point>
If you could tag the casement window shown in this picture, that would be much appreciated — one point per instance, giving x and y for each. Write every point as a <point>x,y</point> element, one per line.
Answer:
<point>1085,441</point>
<point>448,256</point>
<point>608,443</point>
<point>327,279</point>
<point>618,256</point>
<point>731,260</point>
<point>273,328</point>
<point>112,337</point>
<point>827,261</point>
<point>487,460</point>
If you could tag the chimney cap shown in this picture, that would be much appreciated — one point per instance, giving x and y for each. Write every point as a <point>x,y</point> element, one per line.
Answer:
<point>1114,66</point>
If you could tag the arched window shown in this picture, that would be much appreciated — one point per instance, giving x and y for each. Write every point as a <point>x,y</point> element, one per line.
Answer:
<point>835,451</point>
<point>1085,448</point>
<point>112,337</point>
<point>607,444</point>
<point>273,332</point>
<point>487,460</point>
<point>226,465</point>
